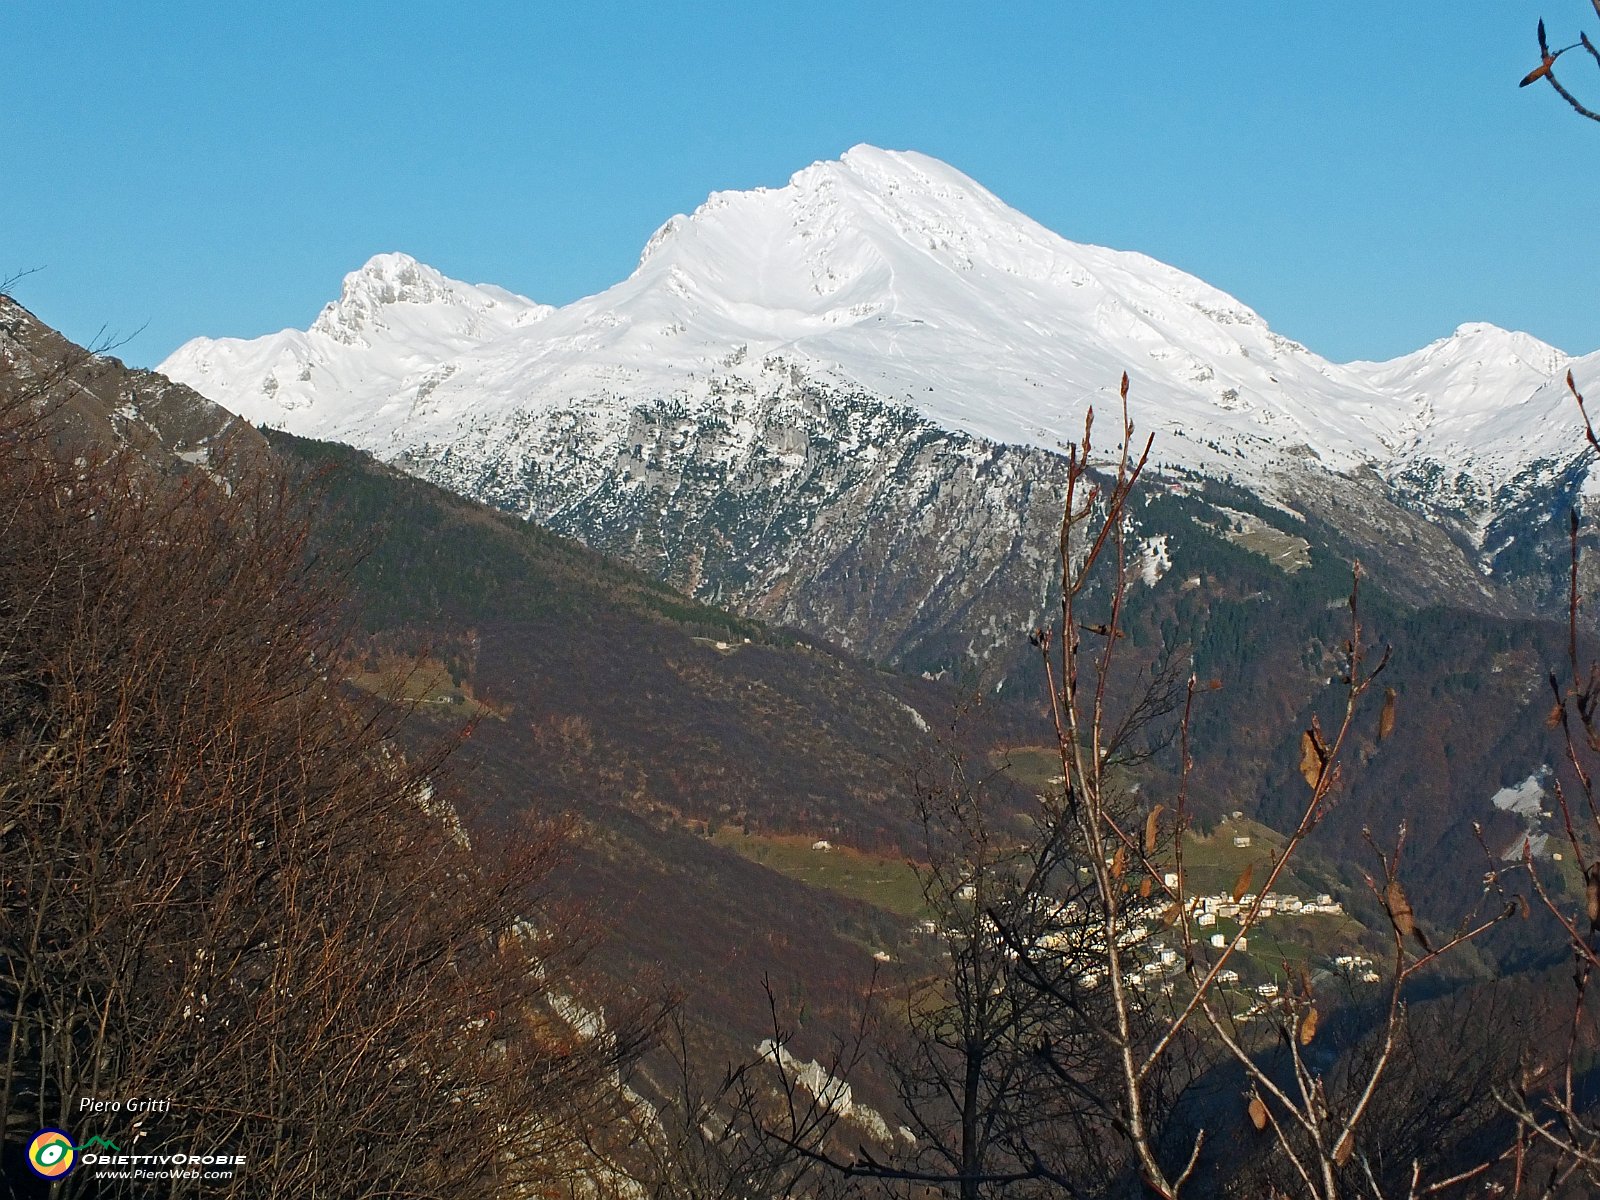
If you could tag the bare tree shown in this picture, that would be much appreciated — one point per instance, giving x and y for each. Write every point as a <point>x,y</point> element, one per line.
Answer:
<point>1137,858</point>
<point>1551,1097</point>
<point>978,1050</point>
<point>225,883</point>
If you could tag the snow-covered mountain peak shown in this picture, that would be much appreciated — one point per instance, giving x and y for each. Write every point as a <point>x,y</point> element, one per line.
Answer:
<point>395,323</point>
<point>898,275</point>
<point>1485,342</point>
<point>1471,343</point>
<point>362,311</point>
<point>1473,386</point>
<point>396,278</point>
<point>1479,342</point>
<point>901,223</point>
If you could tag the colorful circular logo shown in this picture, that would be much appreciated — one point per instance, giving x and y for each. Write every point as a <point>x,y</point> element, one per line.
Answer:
<point>51,1153</point>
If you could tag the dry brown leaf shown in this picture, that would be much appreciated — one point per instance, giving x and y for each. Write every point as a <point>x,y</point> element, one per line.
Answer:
<point>1152,829</point>
<point>1310,763</point>
<point>1313,756</point>
<point>1172,913</point>
<point>1591,894</point>
<point>1405,921</point>
<point>1308,1027</point>
<point>1345,1148</point>
<point>1241,885</point>
<point>1394,899</point>
<point>1119,862</point>
<point>1145,888</point>
<point>1552,719</point>
<point>1258,1113</point>
<point>1386,717</point>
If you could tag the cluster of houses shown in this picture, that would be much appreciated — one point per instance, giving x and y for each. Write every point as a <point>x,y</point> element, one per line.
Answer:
<point>1222,905</point>
<point>1357,966</point>
<point>1160,964</point>
<point>1208,910</point>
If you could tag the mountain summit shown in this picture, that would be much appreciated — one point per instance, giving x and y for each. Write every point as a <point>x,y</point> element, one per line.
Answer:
<point>396,299</point>
<point>395,320</point>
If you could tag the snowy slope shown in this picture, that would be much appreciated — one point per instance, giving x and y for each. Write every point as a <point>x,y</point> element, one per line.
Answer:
<point>894,275</point>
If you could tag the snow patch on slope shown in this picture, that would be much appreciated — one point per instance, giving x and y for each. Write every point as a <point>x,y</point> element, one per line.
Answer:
<point>831,1092</point>
<point>1526,798</point>
<point>1153,560</point>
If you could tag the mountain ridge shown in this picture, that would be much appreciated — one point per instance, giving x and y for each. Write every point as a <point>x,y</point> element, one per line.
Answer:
<point>881,340</point>
<point>896,274</point>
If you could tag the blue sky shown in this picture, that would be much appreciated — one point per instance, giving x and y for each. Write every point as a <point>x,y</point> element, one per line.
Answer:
<point>1367,176</point>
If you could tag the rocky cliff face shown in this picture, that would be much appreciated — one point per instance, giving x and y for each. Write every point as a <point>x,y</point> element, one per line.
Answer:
<point>94,401</point>
<point>835,513</point>
<point>903,541</point>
